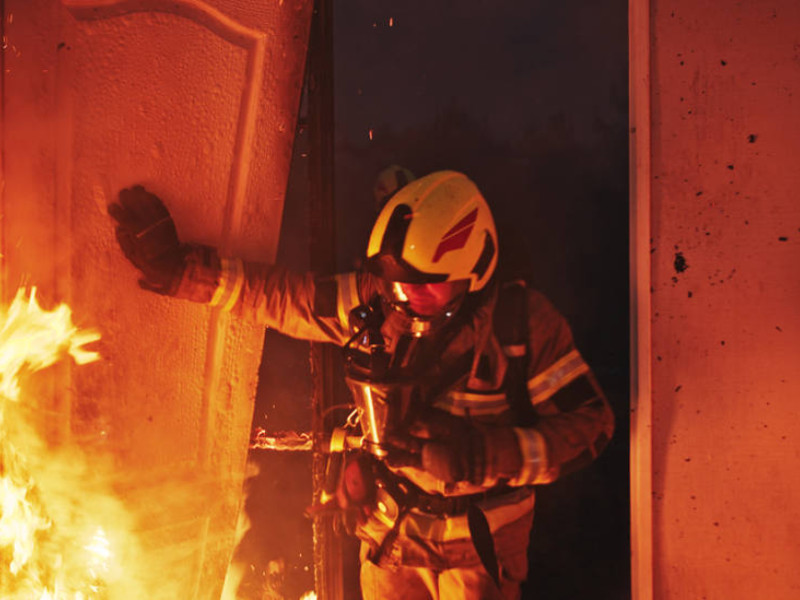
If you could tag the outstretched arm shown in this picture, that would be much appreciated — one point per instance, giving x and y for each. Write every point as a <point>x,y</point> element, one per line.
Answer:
<point>300,305</point>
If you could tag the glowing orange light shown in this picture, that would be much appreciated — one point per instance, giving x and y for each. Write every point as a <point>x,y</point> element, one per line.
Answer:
<point>62,536</point>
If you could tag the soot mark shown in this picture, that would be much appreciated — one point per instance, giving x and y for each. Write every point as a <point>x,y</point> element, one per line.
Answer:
<point>680,263</point>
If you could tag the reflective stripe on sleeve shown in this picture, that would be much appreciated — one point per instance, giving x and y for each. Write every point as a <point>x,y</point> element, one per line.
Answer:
<point>459,403</point>
<point>559,374</point>
<point>346,297</point>
<point>534,457</point>
<point>231,282</point>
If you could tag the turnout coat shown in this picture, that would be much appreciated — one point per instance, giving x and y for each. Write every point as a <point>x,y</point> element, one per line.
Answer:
<point>525,373</point>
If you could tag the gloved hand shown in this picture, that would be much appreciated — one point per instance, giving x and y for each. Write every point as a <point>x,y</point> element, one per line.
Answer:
<point>356,486</point>
<point>349,490</point>
<point>146,233</point>
<point>455,449</point>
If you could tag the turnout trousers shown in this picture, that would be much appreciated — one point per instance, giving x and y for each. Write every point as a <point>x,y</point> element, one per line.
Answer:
<point>426,570</point>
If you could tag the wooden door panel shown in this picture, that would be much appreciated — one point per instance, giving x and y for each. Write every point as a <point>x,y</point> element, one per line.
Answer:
<point>197,101</point>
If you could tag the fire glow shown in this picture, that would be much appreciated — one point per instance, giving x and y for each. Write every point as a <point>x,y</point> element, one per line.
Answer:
<point>63,534</point>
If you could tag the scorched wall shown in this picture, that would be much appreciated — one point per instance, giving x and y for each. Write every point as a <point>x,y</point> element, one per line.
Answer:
<point>716,214</point>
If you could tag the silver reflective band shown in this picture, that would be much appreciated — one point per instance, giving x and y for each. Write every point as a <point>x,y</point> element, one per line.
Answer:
<point>534,457</point>
<point>346,297</point>
<point>231,282</point>
<point>458,403</point>
<point>559,374</point>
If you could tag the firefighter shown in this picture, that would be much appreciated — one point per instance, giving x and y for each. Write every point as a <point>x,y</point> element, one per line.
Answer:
<point>388,181</point>
<point>470,390</point>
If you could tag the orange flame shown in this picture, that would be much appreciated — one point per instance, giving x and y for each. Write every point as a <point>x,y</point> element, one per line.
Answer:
<point>34,338</point>
<point>62,535</point>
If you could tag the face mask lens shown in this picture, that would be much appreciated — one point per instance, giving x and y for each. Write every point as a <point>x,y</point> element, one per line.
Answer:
<point>425,300</point>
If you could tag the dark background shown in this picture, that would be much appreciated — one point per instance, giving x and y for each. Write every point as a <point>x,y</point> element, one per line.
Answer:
<point>530,100</point>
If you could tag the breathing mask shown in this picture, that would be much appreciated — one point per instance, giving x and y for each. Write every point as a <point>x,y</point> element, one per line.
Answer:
<point>388,361</point>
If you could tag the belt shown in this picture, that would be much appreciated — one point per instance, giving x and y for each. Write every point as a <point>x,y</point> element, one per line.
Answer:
<point>410,496</point>
<point>436,504</point>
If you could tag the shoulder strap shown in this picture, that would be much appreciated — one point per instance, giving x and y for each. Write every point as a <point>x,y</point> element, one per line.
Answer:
<point>511,317</point>
<point>511,329</point>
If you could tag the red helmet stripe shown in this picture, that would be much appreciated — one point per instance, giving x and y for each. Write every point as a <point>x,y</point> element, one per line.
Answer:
<point>457,236</point>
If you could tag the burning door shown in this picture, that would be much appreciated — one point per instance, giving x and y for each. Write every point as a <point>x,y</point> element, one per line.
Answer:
<point>197,101</point>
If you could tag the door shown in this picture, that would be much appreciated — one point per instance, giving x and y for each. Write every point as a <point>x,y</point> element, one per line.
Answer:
<point>197,101</point>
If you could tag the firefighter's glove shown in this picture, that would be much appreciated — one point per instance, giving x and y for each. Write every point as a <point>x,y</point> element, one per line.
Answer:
<point>349,488</point>
<point>453,449</point>
<point>148,238</point>
<point>357,486</point>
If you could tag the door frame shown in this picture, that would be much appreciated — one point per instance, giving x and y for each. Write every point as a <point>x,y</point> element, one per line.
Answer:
<point>641,484</point>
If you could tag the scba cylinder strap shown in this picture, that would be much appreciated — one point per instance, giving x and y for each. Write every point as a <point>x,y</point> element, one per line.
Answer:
<point>453,506</point>
<point>409,496</point>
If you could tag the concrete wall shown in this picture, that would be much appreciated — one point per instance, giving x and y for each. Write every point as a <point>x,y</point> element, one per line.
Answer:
<point>716,217</point>
<point>197,101</point>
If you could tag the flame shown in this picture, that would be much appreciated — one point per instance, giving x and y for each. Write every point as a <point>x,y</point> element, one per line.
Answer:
<point>63,535</point>
<point>34,338</point>
<point>236,569</point>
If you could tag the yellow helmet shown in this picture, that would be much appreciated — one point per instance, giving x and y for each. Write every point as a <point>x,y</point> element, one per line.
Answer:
<point>436,228</point>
